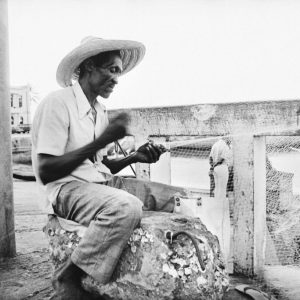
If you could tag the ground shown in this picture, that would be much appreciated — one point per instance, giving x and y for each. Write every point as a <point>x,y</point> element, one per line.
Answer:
<point>28,275</point>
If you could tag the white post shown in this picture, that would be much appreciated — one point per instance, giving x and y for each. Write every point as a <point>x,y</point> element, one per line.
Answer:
<point>243,228</point>
<point>259,204</point>
<point>142,170</point>
<point>161,170</point>
<point>7,231</point>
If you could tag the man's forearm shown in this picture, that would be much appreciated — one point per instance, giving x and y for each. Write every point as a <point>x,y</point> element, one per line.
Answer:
<point>116,165</point>
<point>55,167</point>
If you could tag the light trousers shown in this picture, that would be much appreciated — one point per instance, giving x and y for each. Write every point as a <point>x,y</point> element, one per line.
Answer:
<point>222,225</point>
<point>110,211</point>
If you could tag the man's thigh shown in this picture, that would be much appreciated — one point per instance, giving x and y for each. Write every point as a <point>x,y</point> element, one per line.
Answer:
<point>82,202</point>
<point>154,195</point>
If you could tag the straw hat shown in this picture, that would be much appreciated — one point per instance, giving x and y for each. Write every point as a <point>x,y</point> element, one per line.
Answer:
<point>132,53</point>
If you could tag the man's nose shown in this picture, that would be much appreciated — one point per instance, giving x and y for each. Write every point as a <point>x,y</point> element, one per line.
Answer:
<point>115,79</point>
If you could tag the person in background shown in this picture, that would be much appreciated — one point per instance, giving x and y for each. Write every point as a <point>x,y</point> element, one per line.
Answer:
<point>221,154</point>
<point>221,160</point>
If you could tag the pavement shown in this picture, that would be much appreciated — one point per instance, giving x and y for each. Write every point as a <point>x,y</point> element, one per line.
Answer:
<point>28,274</point>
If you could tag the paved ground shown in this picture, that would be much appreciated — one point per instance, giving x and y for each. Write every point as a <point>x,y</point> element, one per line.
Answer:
<point>286,279</point>
<point>27,276</point>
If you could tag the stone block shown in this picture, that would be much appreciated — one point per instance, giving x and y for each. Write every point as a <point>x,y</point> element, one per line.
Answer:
<point>160,260</point>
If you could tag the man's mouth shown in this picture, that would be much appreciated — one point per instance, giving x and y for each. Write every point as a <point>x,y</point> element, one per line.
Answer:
<point>110,88</point>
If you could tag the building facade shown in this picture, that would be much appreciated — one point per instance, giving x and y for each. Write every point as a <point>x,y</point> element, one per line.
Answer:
<point>20,102</point>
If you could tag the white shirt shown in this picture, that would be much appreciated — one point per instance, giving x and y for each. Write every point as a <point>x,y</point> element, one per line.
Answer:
<point>63,122</point>
<point>220,150</point>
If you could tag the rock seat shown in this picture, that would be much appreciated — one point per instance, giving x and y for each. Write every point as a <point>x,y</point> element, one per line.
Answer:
<point>156,264</point>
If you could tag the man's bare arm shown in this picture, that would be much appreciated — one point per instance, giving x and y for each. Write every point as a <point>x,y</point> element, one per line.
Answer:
<point>117,164</point>
<point>147,153</point>
<point>55,167</point>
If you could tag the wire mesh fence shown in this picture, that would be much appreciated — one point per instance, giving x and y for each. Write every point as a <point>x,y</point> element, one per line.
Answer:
<point>283,200</point>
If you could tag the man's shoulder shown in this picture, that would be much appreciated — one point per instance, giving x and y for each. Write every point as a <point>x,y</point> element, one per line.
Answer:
<point>60,99</point>
<point>56,101</point>
<point>218,143</point>
<point>62,95</point>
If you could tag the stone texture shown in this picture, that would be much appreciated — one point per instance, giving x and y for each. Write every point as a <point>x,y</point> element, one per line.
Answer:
<point>151,267</point>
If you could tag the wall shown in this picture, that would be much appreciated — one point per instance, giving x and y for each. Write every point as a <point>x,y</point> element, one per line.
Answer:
<point>213,119</point>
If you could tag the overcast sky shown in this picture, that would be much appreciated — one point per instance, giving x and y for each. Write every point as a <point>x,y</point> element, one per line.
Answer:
<point>198,51</point>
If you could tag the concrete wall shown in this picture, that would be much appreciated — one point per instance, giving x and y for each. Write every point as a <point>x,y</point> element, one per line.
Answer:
<point>213,119</point>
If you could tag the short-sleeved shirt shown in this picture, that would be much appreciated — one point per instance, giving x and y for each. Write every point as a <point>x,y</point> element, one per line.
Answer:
<point>64,122</point>
<point>221,151</point>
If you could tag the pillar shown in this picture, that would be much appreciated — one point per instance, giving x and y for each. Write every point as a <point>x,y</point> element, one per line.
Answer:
<point>243,213</point>
<point>7,231</point>
<point>260,196</point>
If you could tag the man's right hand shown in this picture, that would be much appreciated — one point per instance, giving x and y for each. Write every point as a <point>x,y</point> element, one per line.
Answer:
<point>116,129</point>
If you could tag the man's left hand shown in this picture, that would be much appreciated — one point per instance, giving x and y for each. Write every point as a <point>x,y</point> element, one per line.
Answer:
<point>149,153</point>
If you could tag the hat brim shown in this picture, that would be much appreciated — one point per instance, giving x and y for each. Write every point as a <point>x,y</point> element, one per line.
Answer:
<point>132,53</point>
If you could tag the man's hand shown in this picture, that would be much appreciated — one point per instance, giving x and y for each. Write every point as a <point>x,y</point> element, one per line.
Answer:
<point>116,129</point>
<point>149,153</point>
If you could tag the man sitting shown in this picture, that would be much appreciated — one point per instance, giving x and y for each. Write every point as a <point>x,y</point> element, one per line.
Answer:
<point>69,134</point>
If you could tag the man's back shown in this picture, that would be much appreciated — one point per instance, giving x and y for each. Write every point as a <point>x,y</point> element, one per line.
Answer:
<point>221,153</point>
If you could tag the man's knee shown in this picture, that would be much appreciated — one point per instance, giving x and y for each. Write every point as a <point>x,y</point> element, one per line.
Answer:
<point>125,208</point>
<point>132,207</point>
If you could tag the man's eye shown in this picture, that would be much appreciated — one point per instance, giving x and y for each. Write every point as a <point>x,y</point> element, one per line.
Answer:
<point>115,70</point>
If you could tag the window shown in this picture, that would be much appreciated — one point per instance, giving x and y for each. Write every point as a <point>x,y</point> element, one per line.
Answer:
<point>20,101</point>
<point>11,100</point>
<point>12,120</point>
<point>21,120</point>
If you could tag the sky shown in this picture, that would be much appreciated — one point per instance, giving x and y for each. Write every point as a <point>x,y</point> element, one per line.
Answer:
<point>197,51</point>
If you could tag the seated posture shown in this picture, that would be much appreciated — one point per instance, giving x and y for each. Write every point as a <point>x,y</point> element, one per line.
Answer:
<point>69,136</point>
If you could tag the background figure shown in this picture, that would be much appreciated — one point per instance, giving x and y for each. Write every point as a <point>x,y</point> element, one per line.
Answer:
<point>222,154</point>
<point>220,159</point>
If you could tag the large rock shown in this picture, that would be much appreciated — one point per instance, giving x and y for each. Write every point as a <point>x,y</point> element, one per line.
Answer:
<point>154,267</point>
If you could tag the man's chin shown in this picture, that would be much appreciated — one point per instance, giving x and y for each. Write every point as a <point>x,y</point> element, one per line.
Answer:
<point>105,95</point>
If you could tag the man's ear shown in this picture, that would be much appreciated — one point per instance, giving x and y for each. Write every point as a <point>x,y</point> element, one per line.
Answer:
<point>89,65</point>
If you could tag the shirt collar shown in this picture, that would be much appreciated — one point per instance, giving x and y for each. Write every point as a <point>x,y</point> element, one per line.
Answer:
<point>83,104</point>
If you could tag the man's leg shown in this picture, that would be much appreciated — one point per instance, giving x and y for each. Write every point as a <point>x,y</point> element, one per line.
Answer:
<point>223,228</point>
<point>154,195</point>
<point>212,185</point>
<point>110,216</point>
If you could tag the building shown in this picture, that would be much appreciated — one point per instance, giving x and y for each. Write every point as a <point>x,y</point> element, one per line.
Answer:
<point>20,102</point>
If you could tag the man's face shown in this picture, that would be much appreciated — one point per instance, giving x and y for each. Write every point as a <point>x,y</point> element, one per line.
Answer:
<point>103,79</point>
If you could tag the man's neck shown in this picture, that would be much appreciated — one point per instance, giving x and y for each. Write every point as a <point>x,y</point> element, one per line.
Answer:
<point>91,97</point>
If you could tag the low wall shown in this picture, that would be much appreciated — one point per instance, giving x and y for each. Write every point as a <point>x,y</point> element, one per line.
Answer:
<point>205,119</point>
<point>213,119</point>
